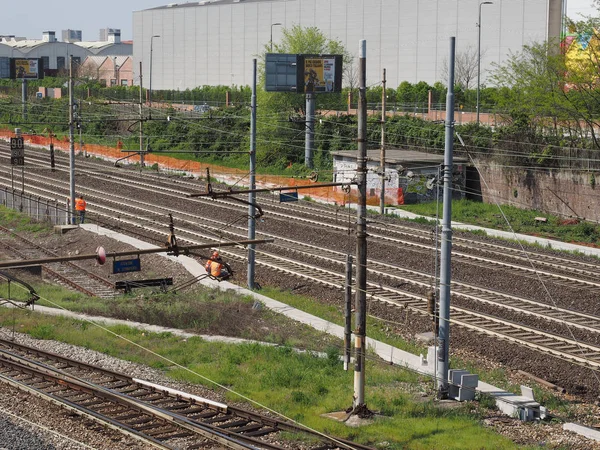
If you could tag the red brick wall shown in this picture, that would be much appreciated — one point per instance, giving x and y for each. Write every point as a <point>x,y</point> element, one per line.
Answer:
<point>561,192</point>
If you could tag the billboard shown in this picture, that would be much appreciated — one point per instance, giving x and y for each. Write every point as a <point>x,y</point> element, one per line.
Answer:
<point>4,67</point>
<point>303,73</point>
<point>26,68</point>
<point>281,72</point>
<point>321,73</point>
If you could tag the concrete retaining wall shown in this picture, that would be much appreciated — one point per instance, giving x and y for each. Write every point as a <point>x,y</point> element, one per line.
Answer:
<point>562,192</point>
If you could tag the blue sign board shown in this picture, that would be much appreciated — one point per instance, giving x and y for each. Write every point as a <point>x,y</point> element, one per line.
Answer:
<point>288,197</point>
<point>127,265</point>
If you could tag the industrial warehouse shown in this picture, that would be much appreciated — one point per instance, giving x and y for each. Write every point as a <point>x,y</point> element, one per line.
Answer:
<point>214,42</point>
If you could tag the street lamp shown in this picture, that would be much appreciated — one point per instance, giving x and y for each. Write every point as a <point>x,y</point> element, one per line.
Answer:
<point>479,56</point>
<point>271,41</point>
<point>150,91</point>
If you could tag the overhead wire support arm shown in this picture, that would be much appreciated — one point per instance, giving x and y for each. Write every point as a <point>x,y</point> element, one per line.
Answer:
<point>107,255</point>
<point>223,194</point>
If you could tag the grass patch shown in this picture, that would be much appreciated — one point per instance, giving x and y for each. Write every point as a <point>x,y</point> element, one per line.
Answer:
<point>202,311</point>
<point>19,222</point>
<point>300,386</point>
<point>521,221</point>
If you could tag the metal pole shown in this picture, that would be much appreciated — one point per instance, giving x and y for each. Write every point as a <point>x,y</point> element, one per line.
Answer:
<point>271,40</point>
<point>142,119</point>
<point>150,89</point>
<point>444,310</point>
<point>310,130</point>
<point>361,235</point>
<point>382,201</point>
<point>24,98</point>
<point>348,313</point>
<point>252,194</point>
<point>479,56</point>
<point>71,213</point>
<point>80,135</point>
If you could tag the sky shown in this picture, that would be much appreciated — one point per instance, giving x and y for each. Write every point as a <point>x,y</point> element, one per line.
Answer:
<point>29,18</point>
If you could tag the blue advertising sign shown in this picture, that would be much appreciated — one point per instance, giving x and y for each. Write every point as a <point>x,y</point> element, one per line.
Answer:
<point>127,265</point>
<point>288,197</point>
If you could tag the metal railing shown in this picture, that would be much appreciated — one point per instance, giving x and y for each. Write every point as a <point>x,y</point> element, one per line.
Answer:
<point>38,208</point>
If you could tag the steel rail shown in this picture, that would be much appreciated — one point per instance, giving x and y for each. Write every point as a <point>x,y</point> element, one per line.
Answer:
<point>53,273</point>
<point>466,257</point>
<point>169,404</point>
<point>421,299</point>
<point>549,313</point>
<point>151,423</point>
<point>481,246</point>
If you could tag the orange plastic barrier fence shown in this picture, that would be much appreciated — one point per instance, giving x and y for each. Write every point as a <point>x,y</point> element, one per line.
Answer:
<point>229,175</point>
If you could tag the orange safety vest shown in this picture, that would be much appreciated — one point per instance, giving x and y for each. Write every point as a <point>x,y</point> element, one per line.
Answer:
<point>80,204</point>
<point>214,267</point>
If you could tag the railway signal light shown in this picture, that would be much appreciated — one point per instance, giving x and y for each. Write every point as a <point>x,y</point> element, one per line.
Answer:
<point>431,303</point>
<point>100,255</point>
<point>52,163</point>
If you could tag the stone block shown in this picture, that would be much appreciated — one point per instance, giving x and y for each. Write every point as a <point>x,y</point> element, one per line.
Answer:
<point>527,392</point>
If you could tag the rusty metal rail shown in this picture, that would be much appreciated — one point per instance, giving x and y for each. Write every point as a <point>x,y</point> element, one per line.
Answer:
<point>156,414</point>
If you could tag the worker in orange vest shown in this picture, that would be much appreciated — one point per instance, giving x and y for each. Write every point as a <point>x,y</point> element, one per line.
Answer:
<point>80,205</point>
<point>214,266</point>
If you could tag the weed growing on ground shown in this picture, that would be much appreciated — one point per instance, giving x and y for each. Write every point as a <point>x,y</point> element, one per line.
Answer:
<point>520,220</point>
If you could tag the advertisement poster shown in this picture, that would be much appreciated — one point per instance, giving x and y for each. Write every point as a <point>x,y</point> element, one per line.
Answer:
<point>28,68</point>
<point>319,74</point>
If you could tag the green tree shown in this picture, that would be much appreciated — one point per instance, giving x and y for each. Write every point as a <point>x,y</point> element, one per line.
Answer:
<point>281,116</point>
<point>555,91</point>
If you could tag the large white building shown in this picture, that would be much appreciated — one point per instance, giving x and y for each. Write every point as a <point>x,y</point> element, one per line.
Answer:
<point>213,42</point>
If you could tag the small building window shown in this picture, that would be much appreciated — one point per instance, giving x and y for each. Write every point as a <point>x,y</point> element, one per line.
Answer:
<point>103,82</point>
<point>124,83</point>
<point>60,62</point>
<point>113,82</point>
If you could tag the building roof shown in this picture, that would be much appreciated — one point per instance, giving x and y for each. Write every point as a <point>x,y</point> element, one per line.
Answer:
<point>204,3</point>
<point>26,43</point>
<point>95,44</point>
<point>99,60</point>
<point>401,156</point>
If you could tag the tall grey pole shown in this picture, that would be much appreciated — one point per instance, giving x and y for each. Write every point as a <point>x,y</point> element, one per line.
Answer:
<point>348,312</point>
<point>310,130</point>
<point>150,87</point>
<point>80,123</point>
<point>71,144</point>
<point>361,234</point>
<point>271,40</point>
<point>382,200</point>
<point>141,119</point>
<point>479,56</point>
<point>444,310</point>
<point>24,97</point>
<point>252,195</point>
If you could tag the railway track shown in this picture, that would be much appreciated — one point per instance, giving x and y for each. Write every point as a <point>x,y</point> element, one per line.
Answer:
<point>565,347</point>
<point>156,415</point>
<point>568,271</point>
<point>66,273</point>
